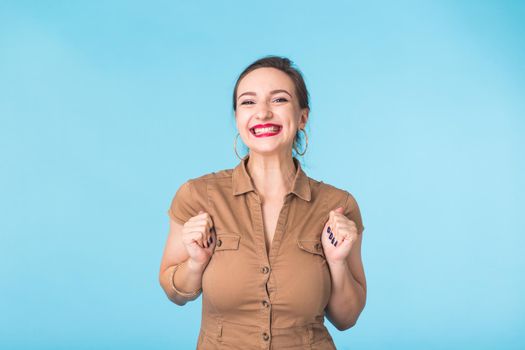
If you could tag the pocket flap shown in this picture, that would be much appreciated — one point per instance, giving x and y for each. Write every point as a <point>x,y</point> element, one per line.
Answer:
<point>227,241</point>
<point>311,246</point>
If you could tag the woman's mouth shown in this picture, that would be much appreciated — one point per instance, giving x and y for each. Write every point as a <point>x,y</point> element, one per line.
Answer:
<point>266,131</point>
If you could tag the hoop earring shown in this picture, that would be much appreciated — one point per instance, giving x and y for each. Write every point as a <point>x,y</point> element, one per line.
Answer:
<point>306,147</point>
<point>235,146</point>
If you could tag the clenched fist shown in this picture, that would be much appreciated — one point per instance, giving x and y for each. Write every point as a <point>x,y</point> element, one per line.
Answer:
<point>339,234</point>
<point>198,237</point>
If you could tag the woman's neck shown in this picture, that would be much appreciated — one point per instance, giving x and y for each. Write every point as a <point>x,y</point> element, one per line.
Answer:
<point>272,174</point>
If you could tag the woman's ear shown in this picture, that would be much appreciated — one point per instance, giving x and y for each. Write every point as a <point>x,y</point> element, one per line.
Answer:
<point>304,117</point>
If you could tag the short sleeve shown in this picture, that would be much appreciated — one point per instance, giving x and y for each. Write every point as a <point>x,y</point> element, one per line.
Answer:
<point>183,205</point>
<point>351,211</point>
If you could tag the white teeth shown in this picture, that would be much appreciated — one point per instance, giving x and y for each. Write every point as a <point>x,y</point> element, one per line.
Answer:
<point>269,129</point>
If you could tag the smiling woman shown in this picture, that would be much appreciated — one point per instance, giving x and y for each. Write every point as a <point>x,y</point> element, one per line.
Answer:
<point>295,92</point>
<point>271,250</point>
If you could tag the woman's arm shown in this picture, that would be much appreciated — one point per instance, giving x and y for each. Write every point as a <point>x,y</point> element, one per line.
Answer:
<point>348,296</point>
<point>188,276</point>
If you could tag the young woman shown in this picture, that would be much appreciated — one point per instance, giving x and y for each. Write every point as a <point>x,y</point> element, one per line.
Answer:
<point>272,250</point>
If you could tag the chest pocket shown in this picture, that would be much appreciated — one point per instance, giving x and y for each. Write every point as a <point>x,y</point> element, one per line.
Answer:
<point>227,241</point>
<point>225,278</point>
<point>311,246</point>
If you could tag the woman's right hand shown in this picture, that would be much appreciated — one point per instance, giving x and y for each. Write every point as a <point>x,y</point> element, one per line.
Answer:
<point>198,237</point>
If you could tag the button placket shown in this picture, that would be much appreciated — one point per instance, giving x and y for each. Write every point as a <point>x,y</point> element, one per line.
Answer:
<point>265,266</point>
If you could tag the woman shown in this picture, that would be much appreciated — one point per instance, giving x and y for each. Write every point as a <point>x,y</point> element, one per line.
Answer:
<point>272,250</point>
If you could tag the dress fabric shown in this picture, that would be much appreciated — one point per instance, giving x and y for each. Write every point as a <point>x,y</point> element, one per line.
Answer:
<point>251,298</point>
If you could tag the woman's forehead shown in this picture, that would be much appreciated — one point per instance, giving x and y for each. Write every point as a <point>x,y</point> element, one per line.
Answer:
<point>265,79</point>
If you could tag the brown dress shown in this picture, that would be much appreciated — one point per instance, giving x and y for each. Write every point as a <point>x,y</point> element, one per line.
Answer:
<point>252,299</point>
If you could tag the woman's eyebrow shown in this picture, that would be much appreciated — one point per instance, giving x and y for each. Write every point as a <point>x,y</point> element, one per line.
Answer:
<point>271,93</point>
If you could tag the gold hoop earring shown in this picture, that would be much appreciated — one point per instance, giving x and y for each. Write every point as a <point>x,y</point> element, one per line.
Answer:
<point>306,147</point>
<point>235,146</point>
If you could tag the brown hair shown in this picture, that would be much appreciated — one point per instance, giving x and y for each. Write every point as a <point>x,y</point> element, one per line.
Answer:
<point>285,65</point>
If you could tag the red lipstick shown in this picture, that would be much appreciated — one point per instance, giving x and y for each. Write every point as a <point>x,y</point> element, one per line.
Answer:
<point>267,133</point>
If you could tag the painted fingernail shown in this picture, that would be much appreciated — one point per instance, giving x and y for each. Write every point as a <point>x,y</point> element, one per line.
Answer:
<point>333,239</point>
<point>335,243</point>
<point>329,229</point>
<point>330,236</point>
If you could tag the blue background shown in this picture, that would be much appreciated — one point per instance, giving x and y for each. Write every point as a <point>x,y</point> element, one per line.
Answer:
<point>418,110</point>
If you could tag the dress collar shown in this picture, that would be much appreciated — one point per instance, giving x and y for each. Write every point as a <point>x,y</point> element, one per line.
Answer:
<point>242,181</point>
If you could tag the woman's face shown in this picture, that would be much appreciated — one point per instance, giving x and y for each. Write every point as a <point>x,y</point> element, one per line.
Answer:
<point>267,96</point>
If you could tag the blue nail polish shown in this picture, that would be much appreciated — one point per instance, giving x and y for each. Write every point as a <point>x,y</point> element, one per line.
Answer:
<point>329,230</point>
<point>335,243</point>
<point>330,236</point>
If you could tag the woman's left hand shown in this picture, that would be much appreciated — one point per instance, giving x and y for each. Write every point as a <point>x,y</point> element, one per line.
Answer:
<point>339,234</point>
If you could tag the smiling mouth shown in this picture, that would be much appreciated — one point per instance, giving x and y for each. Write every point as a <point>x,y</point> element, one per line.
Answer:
<point>266,131</point>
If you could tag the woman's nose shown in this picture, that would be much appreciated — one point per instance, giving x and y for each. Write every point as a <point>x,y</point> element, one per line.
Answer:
<point>264,111</point>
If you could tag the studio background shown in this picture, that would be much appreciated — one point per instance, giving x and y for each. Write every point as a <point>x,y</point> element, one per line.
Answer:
<point>106,108</point>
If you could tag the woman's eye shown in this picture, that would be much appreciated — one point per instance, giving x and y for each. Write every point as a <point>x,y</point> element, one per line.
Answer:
<point>281,98</point>
<point>246,102</point>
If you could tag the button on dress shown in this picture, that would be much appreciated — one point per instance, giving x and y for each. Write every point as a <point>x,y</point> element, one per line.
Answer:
<point>252,298</point>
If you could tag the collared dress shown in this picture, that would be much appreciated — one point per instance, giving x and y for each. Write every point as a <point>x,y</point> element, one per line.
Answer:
<point>252,298</point>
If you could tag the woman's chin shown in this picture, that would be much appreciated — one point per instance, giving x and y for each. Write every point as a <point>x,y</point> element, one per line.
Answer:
<point>266,151</point>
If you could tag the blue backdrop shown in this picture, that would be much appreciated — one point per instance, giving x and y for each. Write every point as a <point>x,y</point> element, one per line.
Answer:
<point>418,110</point>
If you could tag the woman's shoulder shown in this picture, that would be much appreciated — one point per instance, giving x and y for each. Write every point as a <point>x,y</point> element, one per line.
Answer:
<point>336,194</point>
<point>192,195</point>
<point>328,189</point>
<point>203,180</point>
